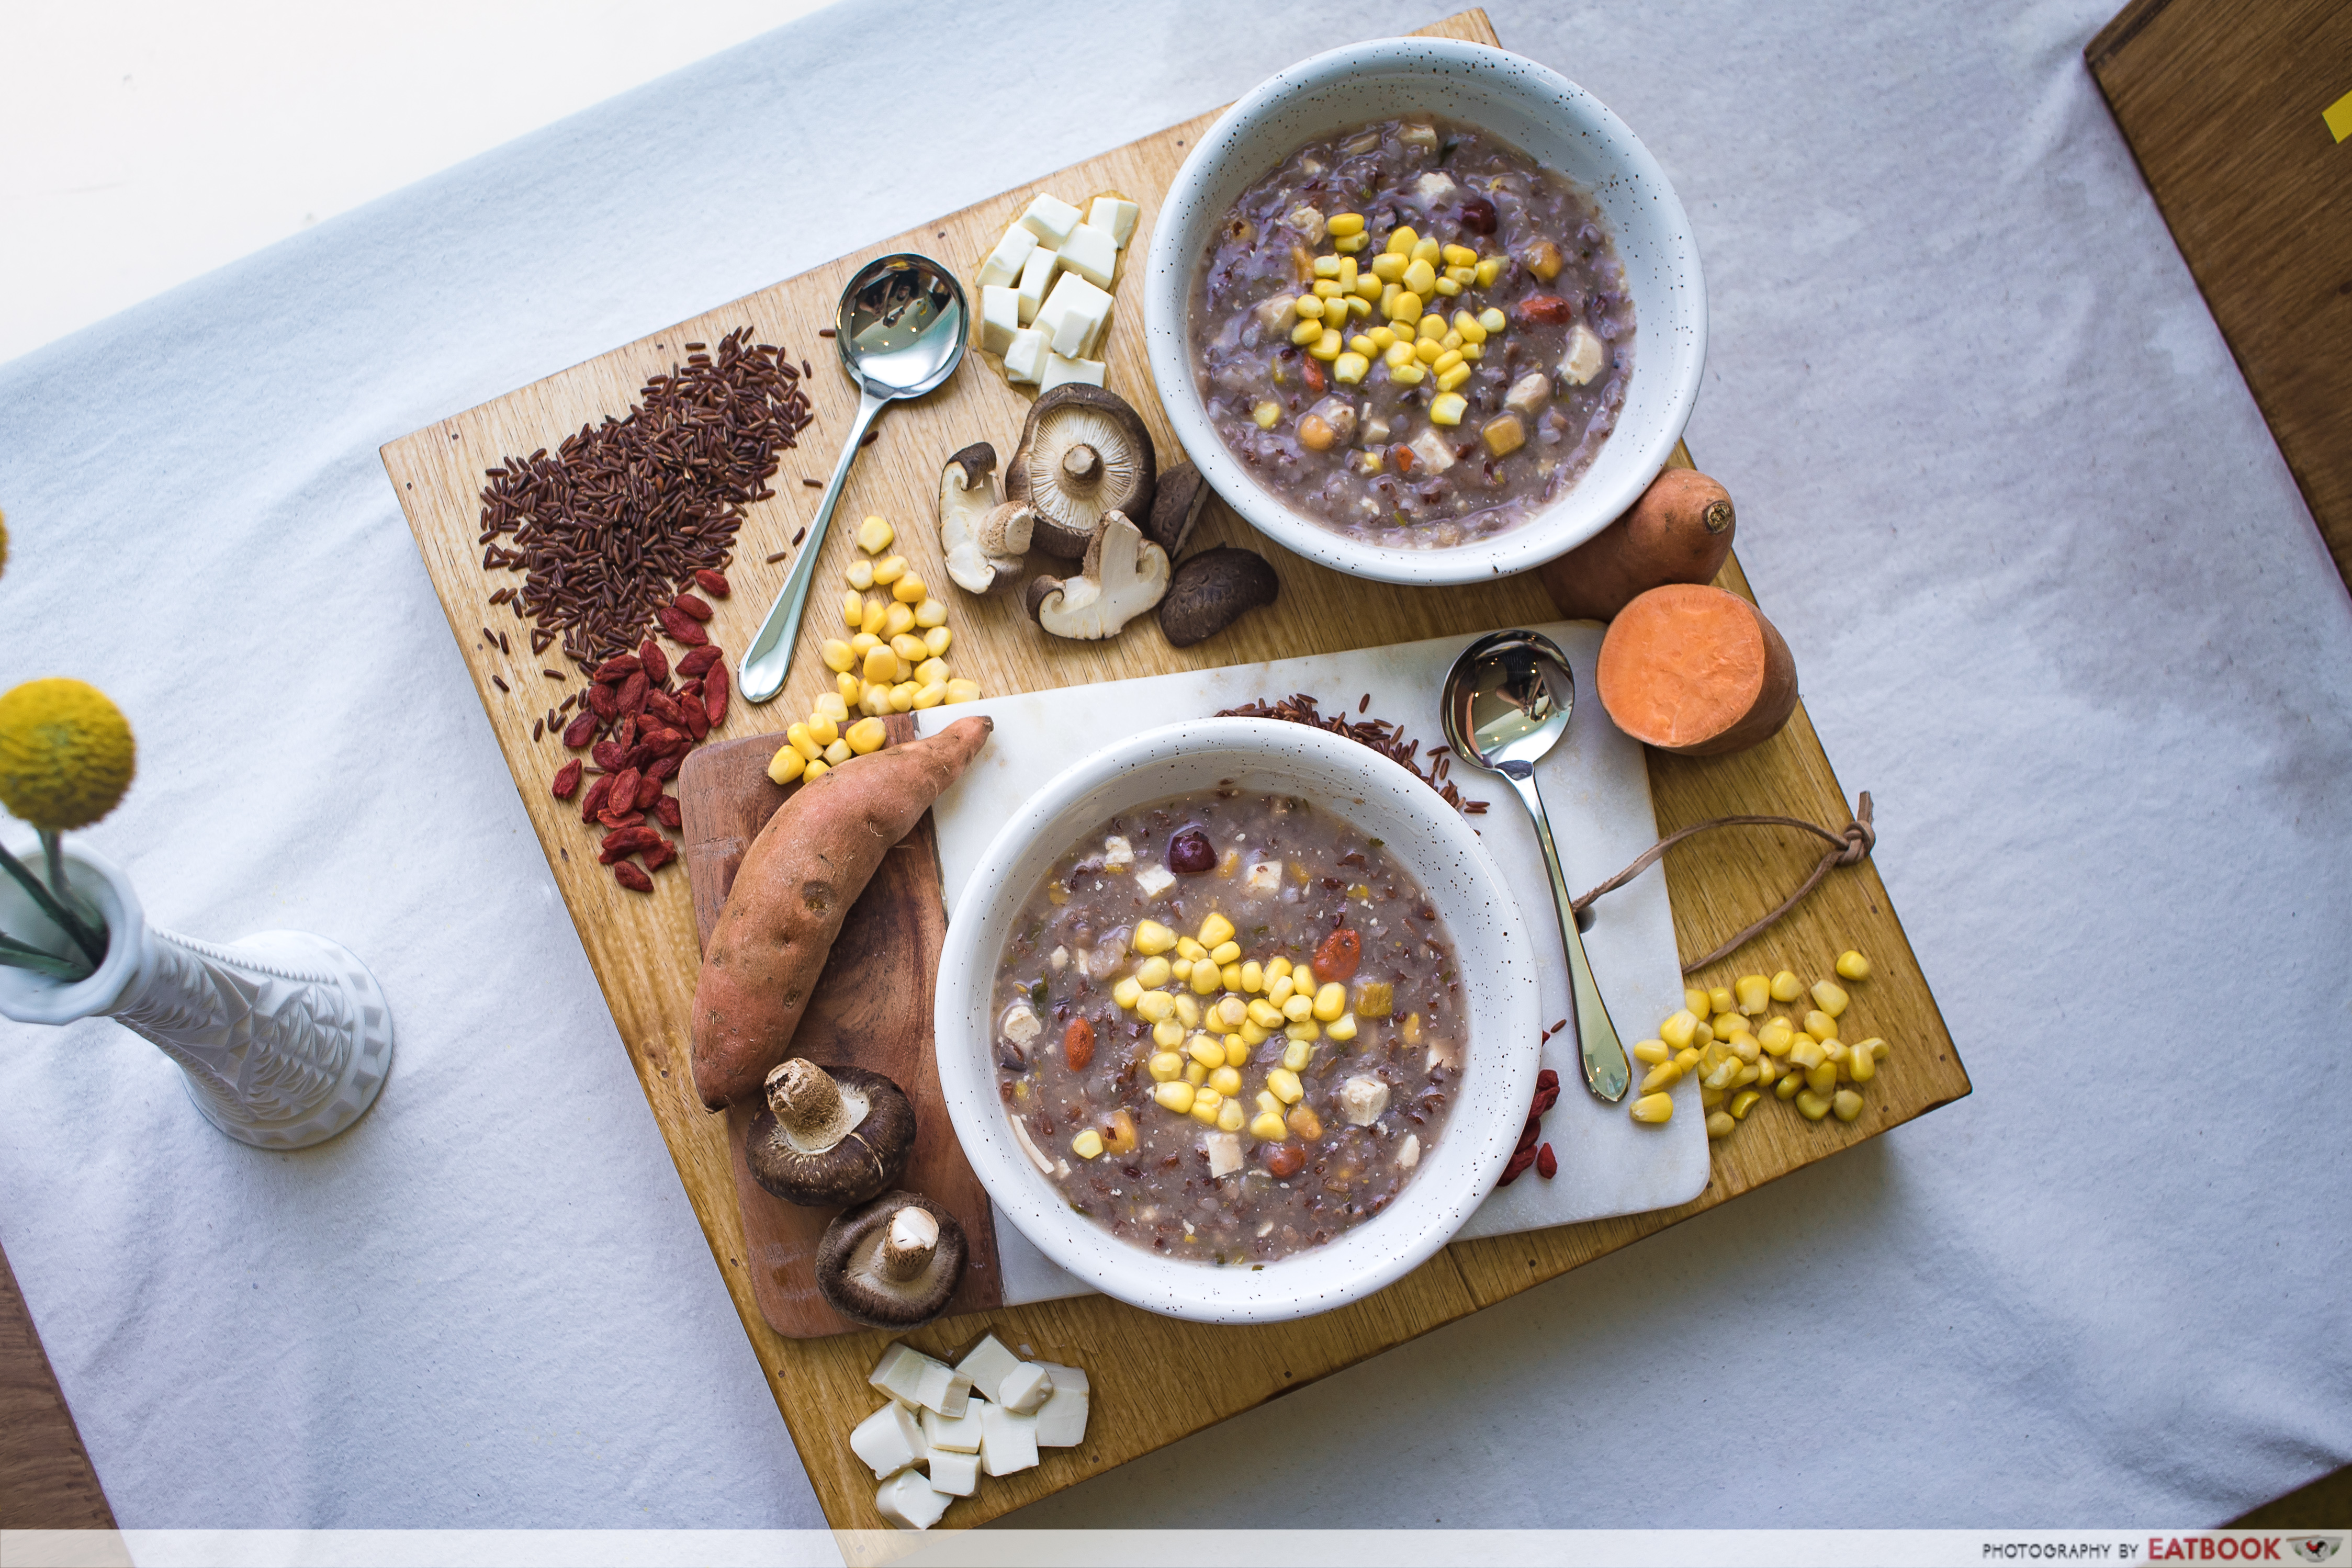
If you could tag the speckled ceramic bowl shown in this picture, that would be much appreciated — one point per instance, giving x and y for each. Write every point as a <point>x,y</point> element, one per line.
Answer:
<point>1544,115</point>
<point>1498,984</point>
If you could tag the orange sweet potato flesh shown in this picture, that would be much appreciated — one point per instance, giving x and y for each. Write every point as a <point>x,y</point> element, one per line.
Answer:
<point>1679,531</point>
<point>797,881</point>
<point>1695,670</point>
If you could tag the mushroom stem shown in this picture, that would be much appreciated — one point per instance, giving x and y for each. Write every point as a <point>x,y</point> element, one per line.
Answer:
<point>1081,462</point>
<point>907,1249</point>
<point>808,1102</point>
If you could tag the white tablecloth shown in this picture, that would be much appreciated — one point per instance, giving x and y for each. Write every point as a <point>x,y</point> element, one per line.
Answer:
<point>2052,593</point>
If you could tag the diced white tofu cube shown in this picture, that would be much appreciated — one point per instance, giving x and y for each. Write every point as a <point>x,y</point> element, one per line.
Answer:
<point>1008,1441</point>
<point>888,1440</point>
<point>1432,451</point>
<point>1062,1423</point>
<point>1091,253</point>
<point>1060,371</point>
<point>1434,186</point>
<point>987,1362</point>
<point>1024,1388</point>
<point>1225,1153</point>
<point>999,316</point>
<point>1037,273</point>
<point>1362,1099</point>
<point>1278,314</point>
<point>1116,215</point>
<point>952,1434</point>
<point>1025,356</point>
<point>957,1475</point>
<point>1410,1155</point>
<point>1585,355</point>
<point>1264,876</point>
<point>1153,879</point>
<point>900,1374</point>
<point>1003,264</point>
<point>909,1502</point>
<point>945,1390</point>
<point>1117,852</point>
<point>1071,314</point>
<point>1050,218</point>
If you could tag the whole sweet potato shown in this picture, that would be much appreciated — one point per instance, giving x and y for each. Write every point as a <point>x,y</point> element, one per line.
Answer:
<point>1679,531</point>
<point>803,873</point>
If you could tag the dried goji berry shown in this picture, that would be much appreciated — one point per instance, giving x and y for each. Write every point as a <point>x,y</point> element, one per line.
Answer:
<point>627,733</point>
<point>1530,1134</point>
<point>649,791</point>
<point>1519,1162</point>
<point>1547,1163</point>
<point>630,877</point>
<point>655,661</point>
<point>713,583</point>
<point>616,821</point>
<point>681,627</point>
<point>616,669</point>
<point>695,663</point>
<point>597,794</point>
<point>605,700</point>
<point>664,706</point>
<point>633,694</point>
<point>580,731</point>
<point>693,606</point>
<point>1548,309</point>
<point>608,755</point>
<point>666,810</point>
<point>660,855</point>
<point>714,695</point>
<point>698,717</point>
<point>567,780</point>
<point>1078,1045</point>
<point>1315,382</point>
<point>625,789</point>
<point>1337,958</point>
<point>663,767</point>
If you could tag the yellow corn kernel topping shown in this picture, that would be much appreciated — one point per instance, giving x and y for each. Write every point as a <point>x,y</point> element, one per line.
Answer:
<point>1165,1067</point>
<point>1351,367</point>
<point>1720,1124</point>
<point>786,764</point>
<point>1853,965</point>
<point>1448,407</point>
<point>1402,240</point>
<point>1652,1051</point>
<point>1654,1108</point>
<point>875,533</point>
<point>1743,1102</point>
<point>1283,1085</point>
<point>1447,382</point>
<point>1753,994</point>
<point>1151,937</point>
<point>1175,1095</point>
<point>1847,1104</point>
<point>1831,997</point>
<point>867,734</point>
<point>1819,1024</point>
<point>1342,224</point>
<point>1663,1076</point>
<point>1087,1145</point>
<point>1225,1081</point>
<point>1343,1028</point>
<point>1786,987</point>
<point>1266,1127</point>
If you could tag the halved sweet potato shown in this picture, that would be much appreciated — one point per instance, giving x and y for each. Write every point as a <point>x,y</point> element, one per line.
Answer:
<point>1679,531</point>
<point>1692,669</point>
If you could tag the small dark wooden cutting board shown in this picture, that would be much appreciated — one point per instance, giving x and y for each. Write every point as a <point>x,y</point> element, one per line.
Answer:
<point>871,1008</point>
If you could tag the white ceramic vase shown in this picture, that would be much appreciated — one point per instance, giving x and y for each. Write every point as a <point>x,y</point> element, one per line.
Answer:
<point>284,1037</point>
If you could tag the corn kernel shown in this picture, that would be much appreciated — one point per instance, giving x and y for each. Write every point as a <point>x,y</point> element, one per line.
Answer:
<point>1807,1052</point>
<point>1181,968</point>
<point>1427,350</point>
<point>1695,1001</point>
<point>1831,997</point>
<point>1860,1065</point>
<point>799,739</point>
<point>1299,1007</point>
<point>1224,954</point>
<point>1447,407</point>
<point>1252,1034</point>
<point>1810,1104</point>
<point>1876,1046</point>
<point>935,641</point>
<point>1297,1055</point>
<point>897,620</point>
<point>1328,347</point>
<point>877,611</point>
<point>1309,308</point>
<point>1264,1014</point>
<point>1266,1127</point>
<point>1253,976</point>
<point>960,691</point>
<point>1206,979</point>
<point>1331,1001</point>
<point>1408,374</point>
<point>1753,993</point>
<point>1821,1079</point>
<point>1402,240</point>
<point>1665,1075</point>
<point>1490,270</point>
<point>1279,985</point>
<point>1470,351</point>
<point>1307,331</point>
<point>1677,1031</point>
<point>1187,948</point>
<point>1786,987</point>
<point>890,571</point>
<point>1652,1051</point>
<point>867,734</point>
<point>881,666</point>
<point>1351,369</point>
<point>1711,1055</point>
<point>1230,1117</point>
<point>1446,289</point>
<point>1387,267</point>
<point>1175,1095</point>
<point>1458,256</point>
<point>909,649</point>
<point>1405,307</point>
<point>1720,1124</point>
<point>875,533</point>
<point>1348,245</point>
<point>930,613</point>
<point>1152,973</point>
<point>837,654</point>
<point>786,764</point>
<point>1154,1005</point>
<point>1342,1028</point>
<point>847,687</point>
<point>1768,1071</point>
<point>1853,965</point>
<point>1427,250</point>
<point>929,672</point>
<point>1420,277</point>
<point>1792,1085</point>
<point>1283,1085</point>
<point>1237,1052</point>
<point>1743,1102</point>
<point>1654,1108</point>
<point>1168,1033</point>
<point>1216,931</point>
<point>1126,992</point>
<point>1847,1104</point>
<point>1461,277</point>
<point>1819,1024</point>
<point>1195,1075</point>
<point>1225,1081</point>
<point>1721,1074</point>
<point>860,575</point>
<point>1398,355</point>
<point>1448,382</point>
<point>1305,1029</point>
<point>1151,937</point>
<point>1744,1045</point>
<point>1232,976</point>
<point>1727,1024</point>
<point>1748,1074</point>
<point>1266,414</point>
<point>1775,1036</point>
<point>1165,1066</point>
<point>1327,266</point>
<point>1686,1058</point>
<point>1344,223</point>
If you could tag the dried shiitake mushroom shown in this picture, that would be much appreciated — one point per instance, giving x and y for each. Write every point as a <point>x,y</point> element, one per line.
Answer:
<point>1213,589</point>
<point>829,1135</point>
<point>891,1263</point>
<point>1084,452</point>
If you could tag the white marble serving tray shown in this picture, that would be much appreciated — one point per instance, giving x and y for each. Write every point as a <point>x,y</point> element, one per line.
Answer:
<point>1598,788</point>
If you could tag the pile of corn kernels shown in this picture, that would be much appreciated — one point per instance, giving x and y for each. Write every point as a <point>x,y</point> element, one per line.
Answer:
<point>894,660</point>
<point>1737,1060</point>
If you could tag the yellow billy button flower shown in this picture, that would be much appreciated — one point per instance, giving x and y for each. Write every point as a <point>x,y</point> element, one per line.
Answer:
<point>66,754</point>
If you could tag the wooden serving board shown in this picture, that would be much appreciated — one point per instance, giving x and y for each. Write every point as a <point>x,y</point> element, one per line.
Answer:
<point>642,948</point>
<point>871,1008</point>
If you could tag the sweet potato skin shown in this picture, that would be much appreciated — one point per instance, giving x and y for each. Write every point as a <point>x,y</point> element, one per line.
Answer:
<point>1679,531</point>
<point>797,881</point>
<point>1618,669</point>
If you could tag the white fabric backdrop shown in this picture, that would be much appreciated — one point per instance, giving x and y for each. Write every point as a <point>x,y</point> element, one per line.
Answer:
<point>2054,598</point>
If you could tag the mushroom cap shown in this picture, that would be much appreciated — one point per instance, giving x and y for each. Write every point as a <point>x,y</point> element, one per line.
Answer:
<point>1182,494</point>
<point>851,1278</point>
<point>1213,589</point>
<point>968,500</point>
<point>1083,452</point>
<point>867,1158</point>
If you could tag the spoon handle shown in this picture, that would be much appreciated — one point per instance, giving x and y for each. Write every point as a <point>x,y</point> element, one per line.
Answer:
<point>760,673</point>
<point>1607,1072</point>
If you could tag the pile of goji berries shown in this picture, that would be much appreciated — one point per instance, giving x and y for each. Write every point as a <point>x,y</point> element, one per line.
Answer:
<point>644,714</point>
<point>1527,1153</point>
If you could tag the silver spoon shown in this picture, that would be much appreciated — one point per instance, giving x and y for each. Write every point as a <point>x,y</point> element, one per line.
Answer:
<point>1507,704</point>
<point>900,333</point>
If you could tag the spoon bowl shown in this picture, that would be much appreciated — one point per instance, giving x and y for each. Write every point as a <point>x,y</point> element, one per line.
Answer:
<point>1506,704</point>
<point>900,333</point>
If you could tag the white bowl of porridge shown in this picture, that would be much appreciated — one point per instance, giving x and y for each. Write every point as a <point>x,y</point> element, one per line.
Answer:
<point>1237,1022</point>
<point>1424,311</point>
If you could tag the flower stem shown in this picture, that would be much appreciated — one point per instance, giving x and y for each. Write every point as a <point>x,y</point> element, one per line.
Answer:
<point>89,942</point>
<point>22,957</point>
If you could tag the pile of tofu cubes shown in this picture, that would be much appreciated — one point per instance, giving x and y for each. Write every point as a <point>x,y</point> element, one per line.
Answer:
<point>1044,290</point>
<point>987,1415</point>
